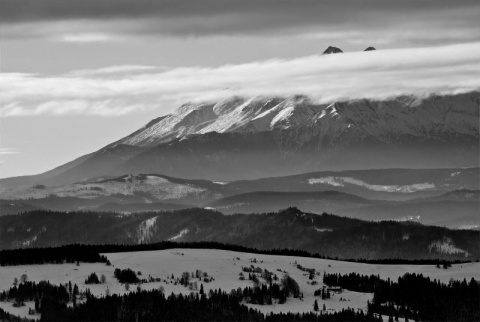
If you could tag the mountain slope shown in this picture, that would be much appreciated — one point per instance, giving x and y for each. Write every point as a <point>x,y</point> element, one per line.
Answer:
<point>258,137</point>
<point>248,138</point>
<point>428,118</point>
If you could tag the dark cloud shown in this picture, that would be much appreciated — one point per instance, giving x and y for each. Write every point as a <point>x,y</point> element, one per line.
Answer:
<point>225,17</point>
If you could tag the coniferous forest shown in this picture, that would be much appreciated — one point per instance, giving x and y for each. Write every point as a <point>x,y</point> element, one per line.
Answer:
<point>218,305</point>
<point>91,253</point>
<point>416,297</point>
<point>412,297</point>
<point>291,228</point>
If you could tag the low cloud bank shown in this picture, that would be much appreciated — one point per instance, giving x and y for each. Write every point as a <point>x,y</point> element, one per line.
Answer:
<point>121,90</point>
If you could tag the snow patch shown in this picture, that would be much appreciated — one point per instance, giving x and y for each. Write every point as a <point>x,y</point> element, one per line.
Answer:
<point>341,181</point>
<point>181,234</point>
<point>146,229</point>
<point>220,182</point>
<point>322,230</point>
<point>153,180</point>
<point>29,241</point>
<point>446,246</point>
<point>326,180</point>
<point>454,174</point>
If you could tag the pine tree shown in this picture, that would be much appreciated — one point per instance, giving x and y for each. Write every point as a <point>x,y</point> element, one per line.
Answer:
<point>315,306</point>
<point>201,289</point>
<point>75,293</point>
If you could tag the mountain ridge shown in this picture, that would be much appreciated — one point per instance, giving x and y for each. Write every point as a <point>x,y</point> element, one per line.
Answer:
<point>326,234</point>
<point>248,138</point>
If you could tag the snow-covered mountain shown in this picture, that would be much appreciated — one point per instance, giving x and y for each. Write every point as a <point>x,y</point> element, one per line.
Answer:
<point>249,138</point>
<point>432,118</point>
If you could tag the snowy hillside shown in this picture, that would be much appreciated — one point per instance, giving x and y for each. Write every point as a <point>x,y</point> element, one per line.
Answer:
<point>224,267</point>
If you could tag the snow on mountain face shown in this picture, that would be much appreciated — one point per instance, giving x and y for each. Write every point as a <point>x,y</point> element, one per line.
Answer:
<point>341,181</point>
<point>146,229</point>
<point>230,115</point>
<point>446,246</point>
<point>427,119</point>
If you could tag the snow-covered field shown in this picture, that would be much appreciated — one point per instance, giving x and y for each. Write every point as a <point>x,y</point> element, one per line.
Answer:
<point>224,267</point>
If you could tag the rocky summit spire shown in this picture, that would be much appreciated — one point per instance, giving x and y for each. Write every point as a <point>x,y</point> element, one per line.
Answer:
<point>370,48</point>
<point>332,50</point>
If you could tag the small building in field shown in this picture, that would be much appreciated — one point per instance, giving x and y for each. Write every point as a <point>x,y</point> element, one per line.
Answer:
<point>335,289</point>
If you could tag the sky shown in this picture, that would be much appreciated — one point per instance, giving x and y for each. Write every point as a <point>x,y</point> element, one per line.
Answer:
<point>78,75</point>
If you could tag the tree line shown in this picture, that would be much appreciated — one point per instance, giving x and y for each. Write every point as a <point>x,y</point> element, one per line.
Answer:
<point>51,255</point>
<point>91,253</point>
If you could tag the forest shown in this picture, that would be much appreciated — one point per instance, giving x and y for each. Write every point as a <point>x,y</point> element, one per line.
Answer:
<point>91,253</point>
<point>218,305</point>
<point>290,228</point>
<point>412,297</point>
<point>415,297</point>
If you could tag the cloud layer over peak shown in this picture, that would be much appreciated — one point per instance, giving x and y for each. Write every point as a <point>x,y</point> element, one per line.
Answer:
<point>120,90</point>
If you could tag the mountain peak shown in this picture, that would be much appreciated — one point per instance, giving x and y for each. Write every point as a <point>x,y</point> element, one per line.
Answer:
<point>332,50</point>
<point>370,48</point>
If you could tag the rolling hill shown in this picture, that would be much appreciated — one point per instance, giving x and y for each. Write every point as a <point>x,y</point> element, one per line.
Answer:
<point>325,234</point>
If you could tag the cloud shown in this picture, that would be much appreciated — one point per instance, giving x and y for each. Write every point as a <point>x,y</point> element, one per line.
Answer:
<point>121,90</point>
<point>424,21</point>
<point>86,37</point>
<point>114,70</point>
<point>4,151</point>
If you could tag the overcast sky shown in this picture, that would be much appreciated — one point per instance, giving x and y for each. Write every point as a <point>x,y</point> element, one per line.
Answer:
<point>77,75</point>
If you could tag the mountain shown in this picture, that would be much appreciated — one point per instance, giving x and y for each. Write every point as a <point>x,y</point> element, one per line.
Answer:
<point>249,138</point>
<point>98,163</point>
<point>332,50</point>
<point>379,184</point>
<point>269,201</point>
<point>445,197</point>
<point>291,228</point>
<point>124,194</point>
<point>455,209</point>
<point>369,48</point>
